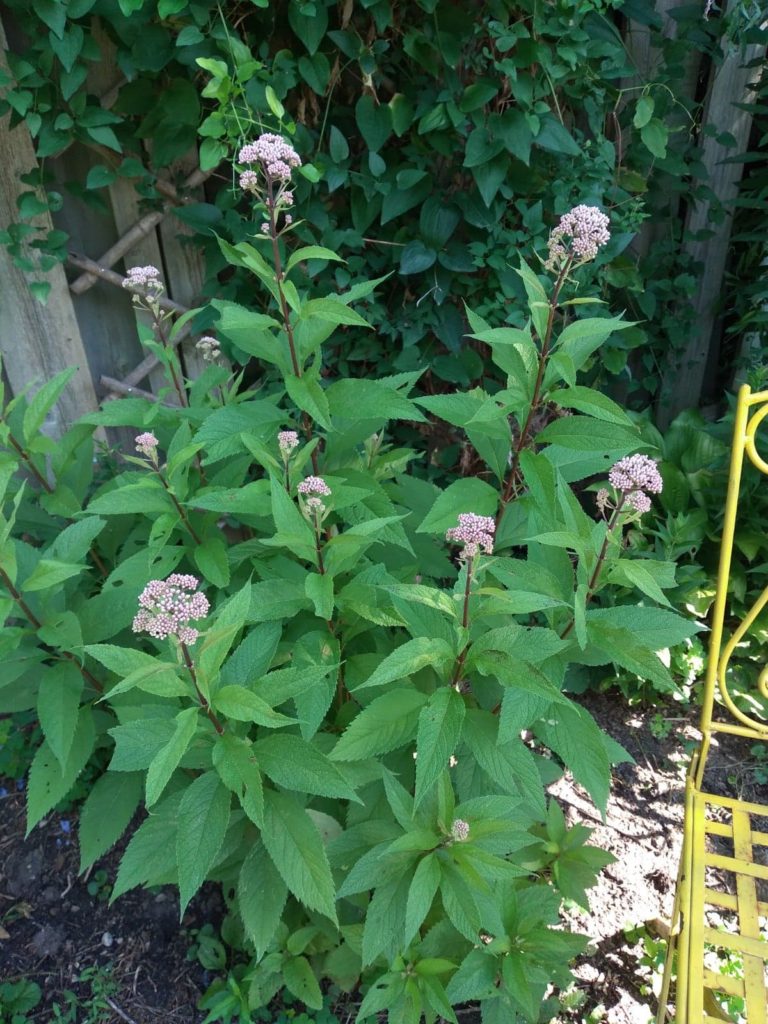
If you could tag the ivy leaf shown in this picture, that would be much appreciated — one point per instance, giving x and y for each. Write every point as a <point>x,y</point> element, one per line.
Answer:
<point>655,136</point>
<point>374,121</point>
<point>416,257</point>
<point>437,736</point>
<point>298,853</point>
<point>202,825</point>
<point>387,723</point>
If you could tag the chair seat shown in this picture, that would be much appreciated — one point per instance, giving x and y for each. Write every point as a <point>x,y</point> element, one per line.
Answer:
<point>724,909</point>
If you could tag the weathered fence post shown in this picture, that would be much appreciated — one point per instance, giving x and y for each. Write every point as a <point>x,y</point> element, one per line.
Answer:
<point>36,341</point>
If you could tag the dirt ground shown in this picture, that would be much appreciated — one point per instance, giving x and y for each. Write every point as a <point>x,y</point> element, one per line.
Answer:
<point>51,927</point>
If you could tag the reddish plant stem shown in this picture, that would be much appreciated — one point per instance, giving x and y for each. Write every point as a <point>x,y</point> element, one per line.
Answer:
<point>179,508</point>
<point>511,484</point>
<point>158,325</point>
<point>594,578</point>
<point>306,422</point>
<point>212,718</point>
<point>30,464</point>
<point>37,624</point>
<point>24,454</point>
<point>457,669</point>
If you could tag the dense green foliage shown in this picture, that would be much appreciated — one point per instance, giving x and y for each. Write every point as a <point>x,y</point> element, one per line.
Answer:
<point>358,744</point>
<point>441,144</point>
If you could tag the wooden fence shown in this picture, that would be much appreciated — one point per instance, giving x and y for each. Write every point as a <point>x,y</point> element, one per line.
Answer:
<point>88,320</point>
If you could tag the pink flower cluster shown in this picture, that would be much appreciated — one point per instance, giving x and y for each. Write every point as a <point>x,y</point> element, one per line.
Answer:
<point>276,156</point>
<point>147,444</point>
<point>314,485</point>
<point>166,607</point>
<point>474,532</point>
<point>578,235</point>
<point>633,476</point>
<point>143,281</point>
<point>287,440</point>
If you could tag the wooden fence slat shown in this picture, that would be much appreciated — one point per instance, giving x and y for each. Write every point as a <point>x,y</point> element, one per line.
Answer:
<point>37,341</point>
<point>730,84</point>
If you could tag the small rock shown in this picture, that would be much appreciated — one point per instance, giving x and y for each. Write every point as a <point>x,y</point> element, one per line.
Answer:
<point>106,939</point>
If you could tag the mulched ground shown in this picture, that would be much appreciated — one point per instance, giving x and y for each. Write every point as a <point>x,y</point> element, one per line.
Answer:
<point>51,927</point>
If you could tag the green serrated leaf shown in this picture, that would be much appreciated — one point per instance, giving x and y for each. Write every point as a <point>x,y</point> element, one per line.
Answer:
<point>202,824</point>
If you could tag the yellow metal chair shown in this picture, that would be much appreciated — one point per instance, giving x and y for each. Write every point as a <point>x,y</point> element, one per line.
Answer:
<point>743,872</point>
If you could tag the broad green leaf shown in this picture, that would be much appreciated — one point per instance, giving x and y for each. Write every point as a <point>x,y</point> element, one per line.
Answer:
<point>296,764</point>
<point>593,403</point>
<point>466,495</point>
<point>580,338</point>
<point>230,619</point>
<point>49,572</point>
<point>106,814</point>
<point>311,252</point>
<point>585,434</point>
<point>409,658</point>
<point>58,705</point>
<point>202,824</point>
<point>573,735</point>
<point>235,761</point>
<point>150,856</point>
<point>166,760</point>
<point>261,895</point>
<point>212,561</point>
<point>301,981</point>
<point>297,851</point>
<point>48,783</point>
<point>385,918</point>
<point>243,705</point>
<point>333,311</point>
<point>437,737</point>
<point>319,590</point>
<point>307,393</point>
<point>148,499</point>
<point>655,628</point>
<point>387,723</point>
<point>647,575</point>
<point>43,401</point>
<point>424,886</point>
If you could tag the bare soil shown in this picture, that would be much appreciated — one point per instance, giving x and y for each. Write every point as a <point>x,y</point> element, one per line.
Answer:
<point>51,927</point>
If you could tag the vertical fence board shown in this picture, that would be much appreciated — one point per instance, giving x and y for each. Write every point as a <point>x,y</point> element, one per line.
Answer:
<point>707,241</point>
<point>36,341</point>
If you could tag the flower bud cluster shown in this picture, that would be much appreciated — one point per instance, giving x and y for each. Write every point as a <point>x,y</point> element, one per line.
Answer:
<point>474,532</point>
<point>276,156</point>
<point>632,476</point>
<point>578,236</point>
<point>313,489</point>
<point>209,348</point>
<point>146,444</point>
<point>460,830</point>
<point>143,283</point>
<point>287,440</point>
<point>166,607</point>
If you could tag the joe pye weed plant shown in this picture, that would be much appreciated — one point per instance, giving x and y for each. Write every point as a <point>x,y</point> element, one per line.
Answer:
<point>336,689</point>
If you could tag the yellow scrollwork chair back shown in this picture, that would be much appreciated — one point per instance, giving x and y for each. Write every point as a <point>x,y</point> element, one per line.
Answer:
<point>721,904</point>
